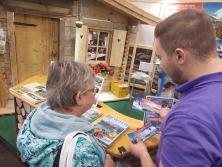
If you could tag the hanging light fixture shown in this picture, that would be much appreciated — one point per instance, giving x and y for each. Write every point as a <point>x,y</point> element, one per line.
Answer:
<point>79,9</point>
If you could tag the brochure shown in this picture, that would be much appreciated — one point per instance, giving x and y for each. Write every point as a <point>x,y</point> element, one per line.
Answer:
<point>32,92</point>
<point>151,116</point>
<point>142,104</point>
<point>98,87</point>
<point>112,128</point>
<point>144,133</point>
<point>91,115</point>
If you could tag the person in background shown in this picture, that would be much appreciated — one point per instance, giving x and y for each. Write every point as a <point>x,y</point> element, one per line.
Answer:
<point>70,92</point>
<point>191,133</point>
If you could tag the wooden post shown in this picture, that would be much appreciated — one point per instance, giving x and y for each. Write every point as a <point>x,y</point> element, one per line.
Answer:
<point>11,38</point>
<point>134,51</point>
<point>61,39</point>
<point>2,92</point>
<point>151,74</point>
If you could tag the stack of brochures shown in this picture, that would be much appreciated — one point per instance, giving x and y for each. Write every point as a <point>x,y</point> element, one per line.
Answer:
<point>32,92</point>
<point>151,124</point>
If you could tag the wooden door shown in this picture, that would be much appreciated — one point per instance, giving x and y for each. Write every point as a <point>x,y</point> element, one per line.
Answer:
<point>37,44</point>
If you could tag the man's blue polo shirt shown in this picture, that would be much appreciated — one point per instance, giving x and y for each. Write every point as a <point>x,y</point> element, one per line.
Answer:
<point>192,130</point>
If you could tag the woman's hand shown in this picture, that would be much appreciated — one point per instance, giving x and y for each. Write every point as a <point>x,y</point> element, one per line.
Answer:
<point>108,161</point>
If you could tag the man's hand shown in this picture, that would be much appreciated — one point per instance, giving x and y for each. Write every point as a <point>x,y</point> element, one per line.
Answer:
<point>98,132</point>
<point>162,112</point>
<point>108,161</point>
<point>138,149</point>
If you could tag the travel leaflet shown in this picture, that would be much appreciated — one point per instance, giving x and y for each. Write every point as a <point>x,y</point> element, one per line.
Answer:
<point>144,133</point>
<point>148,105</point>
<point>112,128</point>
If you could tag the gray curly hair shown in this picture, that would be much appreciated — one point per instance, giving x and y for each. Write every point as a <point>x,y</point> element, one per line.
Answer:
<point>65,80</point>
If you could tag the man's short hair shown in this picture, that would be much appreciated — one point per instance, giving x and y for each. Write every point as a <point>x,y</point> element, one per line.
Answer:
<point>190,29</point>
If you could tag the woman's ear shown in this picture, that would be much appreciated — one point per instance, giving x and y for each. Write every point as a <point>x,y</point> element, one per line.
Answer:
<point>78,98</point>
<point>181,55</point>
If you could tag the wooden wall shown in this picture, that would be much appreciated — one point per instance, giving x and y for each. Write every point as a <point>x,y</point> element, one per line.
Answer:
<point>103,14</point>
<point>95,10</point>
<point>5,64</point>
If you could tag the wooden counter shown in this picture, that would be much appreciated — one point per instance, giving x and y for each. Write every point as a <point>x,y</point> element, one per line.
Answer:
<point>23,108</point>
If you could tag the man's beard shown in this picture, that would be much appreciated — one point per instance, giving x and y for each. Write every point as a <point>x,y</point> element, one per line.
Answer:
<point>177,76</point>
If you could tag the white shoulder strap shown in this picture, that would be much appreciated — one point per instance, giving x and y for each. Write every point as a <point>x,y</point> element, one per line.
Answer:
<point>69,147</point>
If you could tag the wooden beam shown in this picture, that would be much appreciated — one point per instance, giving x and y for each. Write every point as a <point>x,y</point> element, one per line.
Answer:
<point>142,46</point>
<point>138,86</point>
<point>2,91</point>
<point>33,6</point>
<point>11,39</point>
<point>178,1</point>
<point>62,39</point>
<point>151,74</point>
<point>134,51</point>
<point>132,11</point>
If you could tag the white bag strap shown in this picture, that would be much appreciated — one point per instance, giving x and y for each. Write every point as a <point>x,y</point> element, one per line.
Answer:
<point>68,147</point>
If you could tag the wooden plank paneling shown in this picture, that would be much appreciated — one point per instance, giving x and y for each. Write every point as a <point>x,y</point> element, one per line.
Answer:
<point>96,10</point>
<point>33,6</point>
<point>12,49</point>
<point>36,46</point>
<point>81,44</point>
<point>118,43</point>
<point>70,35</point>
<point>70,22</point>
<point>132,11</point>
<point>2,92</point>
<point>61,39</point>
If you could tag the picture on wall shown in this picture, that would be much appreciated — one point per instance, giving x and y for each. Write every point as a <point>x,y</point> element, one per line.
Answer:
<point>215,11</point>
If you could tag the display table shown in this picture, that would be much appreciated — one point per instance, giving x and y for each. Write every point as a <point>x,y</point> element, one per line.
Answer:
<point>23,108</point>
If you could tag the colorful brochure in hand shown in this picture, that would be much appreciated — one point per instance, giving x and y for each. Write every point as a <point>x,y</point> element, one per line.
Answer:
<point>91,115</point>
<point>98,87</point>
<point>32,92</point>
<point>144,133</point>
<point>143,104</point>
<point>151,116</point>
<point>112,128</point>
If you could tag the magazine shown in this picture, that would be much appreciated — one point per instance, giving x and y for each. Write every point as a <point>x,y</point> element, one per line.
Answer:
<point>151,116</point>
<point>32,92</point>
<point>98,87</point>
<point>144,133</point>
<point>91,115</point>
<point>112,128</point>
<point>166,87</point>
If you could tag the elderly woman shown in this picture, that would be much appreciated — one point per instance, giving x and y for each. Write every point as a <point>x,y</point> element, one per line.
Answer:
<point>70,93</point>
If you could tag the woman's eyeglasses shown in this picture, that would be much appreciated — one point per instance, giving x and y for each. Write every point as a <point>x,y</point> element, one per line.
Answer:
<point>95,89</point>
